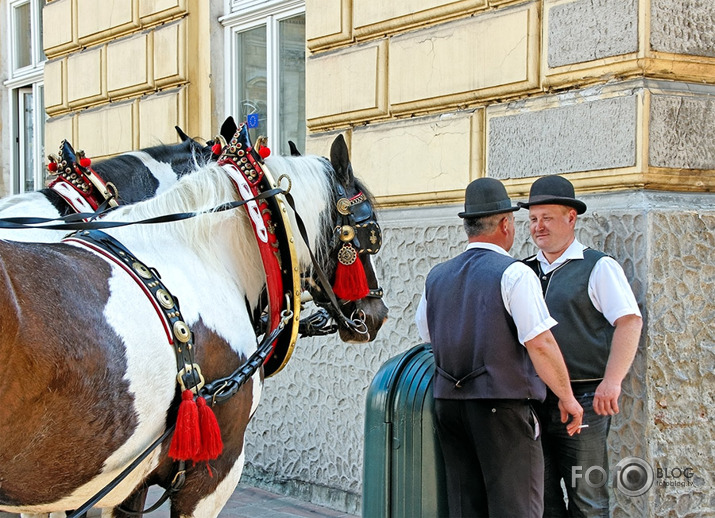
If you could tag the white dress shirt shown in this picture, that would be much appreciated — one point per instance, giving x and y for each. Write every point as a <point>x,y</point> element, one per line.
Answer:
<point>608,287</point>
<point>521,295</point>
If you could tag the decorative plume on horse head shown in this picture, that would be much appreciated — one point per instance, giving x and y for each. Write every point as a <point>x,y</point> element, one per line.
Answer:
<point>99,355</point>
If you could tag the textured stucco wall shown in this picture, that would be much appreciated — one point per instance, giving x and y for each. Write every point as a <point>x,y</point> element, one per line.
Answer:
<point>683,26</point>
<point>306,437</point>
<point>586,30</point>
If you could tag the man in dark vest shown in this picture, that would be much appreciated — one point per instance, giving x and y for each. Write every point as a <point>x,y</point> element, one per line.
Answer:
<point>488,324</point>
<point>599,325</point>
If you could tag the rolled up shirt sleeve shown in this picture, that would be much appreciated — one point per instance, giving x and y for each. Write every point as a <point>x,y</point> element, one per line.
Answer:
<point>610,292</point>
<point>524,301</point>
<point>421,319</point>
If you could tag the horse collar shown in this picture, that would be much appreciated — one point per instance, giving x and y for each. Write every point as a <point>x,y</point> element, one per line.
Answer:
<point>167,306</point>
<point>270,224</point>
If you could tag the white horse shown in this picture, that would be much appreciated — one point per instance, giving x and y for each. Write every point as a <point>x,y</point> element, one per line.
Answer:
<point>89,376</point>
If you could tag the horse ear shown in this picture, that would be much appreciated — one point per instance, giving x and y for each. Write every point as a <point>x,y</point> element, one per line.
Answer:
<point>183,136</point>
<point>293,148</point>
<point>340,160</point>
<point>228,128</point>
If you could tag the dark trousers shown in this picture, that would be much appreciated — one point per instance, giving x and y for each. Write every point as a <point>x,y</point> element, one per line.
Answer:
<point>494,463</point>
<point>580,461</point>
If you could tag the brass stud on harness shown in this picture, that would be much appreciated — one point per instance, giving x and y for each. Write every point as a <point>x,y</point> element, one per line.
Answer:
<point>164,298</point>
<point>142,270</point>
<point>343,205</point>
<point>181,331</point>
<point>347,233</point>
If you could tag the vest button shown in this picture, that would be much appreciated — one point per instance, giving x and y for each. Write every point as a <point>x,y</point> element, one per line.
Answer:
<point>494,410</point>
<point>544,278</point>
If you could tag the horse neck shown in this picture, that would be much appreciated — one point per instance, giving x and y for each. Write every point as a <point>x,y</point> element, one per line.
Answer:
<point>221,242</point>
<point>311,188</point>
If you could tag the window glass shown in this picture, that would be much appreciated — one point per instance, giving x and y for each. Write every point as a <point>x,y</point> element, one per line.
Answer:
<point>252,82</point>
<point>22,29</point>
<point>292,82</point>
<point>27,130</point>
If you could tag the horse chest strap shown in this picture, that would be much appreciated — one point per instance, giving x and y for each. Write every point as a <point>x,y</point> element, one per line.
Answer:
<point>166,305</point>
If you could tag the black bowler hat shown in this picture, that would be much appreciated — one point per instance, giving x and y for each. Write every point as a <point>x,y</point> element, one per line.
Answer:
<point>553,190</point>
<point>484,197</point>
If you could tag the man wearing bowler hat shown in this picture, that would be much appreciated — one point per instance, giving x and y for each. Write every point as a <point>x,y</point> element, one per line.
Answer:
<point>598,329</point>
<point>488,324</point>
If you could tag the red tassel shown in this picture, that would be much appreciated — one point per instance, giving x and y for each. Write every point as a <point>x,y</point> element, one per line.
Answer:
<point>211,443</point>
<point>216,148</point>
<point>264,152</point>
<point>85,162</point>
<point>187,436</point>
<point>350,281</point>
<point>52,166</point>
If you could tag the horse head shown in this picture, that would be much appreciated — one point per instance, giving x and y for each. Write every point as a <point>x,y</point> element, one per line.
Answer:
<point>356,236</point>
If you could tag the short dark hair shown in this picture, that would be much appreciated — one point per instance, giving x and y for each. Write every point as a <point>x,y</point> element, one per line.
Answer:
<point>482,225</point>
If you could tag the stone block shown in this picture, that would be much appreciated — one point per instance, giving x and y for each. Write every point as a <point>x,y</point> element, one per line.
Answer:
<point>682,131</point>
<point>108,130</point>
<point>58,129</point>
<point>55,85</point>
<point>328,22</point>
<point>683,27</point>
<point>579,31</point>
<point>463,61</point>
<point>130,63</point>
<point>86,77</point>
<point>58,27</point>
<point>100,19</point>
<point>170,54</point>
<point>158,114</point>
<point>347,85</point>
<point>156,10</point>
<point>370,17</point>
<point>563,134</point>
<point>426,158</point>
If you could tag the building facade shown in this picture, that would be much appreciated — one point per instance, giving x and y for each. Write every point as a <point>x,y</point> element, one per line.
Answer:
<point>617,95</point>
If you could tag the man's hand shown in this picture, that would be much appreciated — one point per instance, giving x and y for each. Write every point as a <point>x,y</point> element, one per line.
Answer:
<point>605,402</point>
<point>571,407</point>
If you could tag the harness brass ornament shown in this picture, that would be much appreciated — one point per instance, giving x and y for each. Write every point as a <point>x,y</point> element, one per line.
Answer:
<point>347,233</point>
<point>142,270</point>
<point>347,255</point>
<point>343,205</point>
<point>164,298</point>
<point>181,331</point>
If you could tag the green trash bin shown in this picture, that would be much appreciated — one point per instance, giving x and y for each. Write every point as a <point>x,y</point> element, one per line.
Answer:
<point>403,472</point>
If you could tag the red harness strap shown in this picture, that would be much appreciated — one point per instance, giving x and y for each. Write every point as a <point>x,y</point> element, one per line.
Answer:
<point>247,175</point>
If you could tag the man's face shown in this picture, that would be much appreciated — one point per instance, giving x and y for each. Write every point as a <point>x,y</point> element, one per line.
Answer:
<point>552,227</point>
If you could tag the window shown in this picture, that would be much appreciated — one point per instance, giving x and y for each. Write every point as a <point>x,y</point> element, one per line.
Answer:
<point>267,70</point>
<point>26,94</point>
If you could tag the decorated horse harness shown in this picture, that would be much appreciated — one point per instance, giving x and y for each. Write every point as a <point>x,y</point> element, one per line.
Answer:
<point>196,434</point>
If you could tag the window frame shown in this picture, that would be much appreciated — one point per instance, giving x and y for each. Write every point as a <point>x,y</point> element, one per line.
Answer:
<point>20,81</point>
<point>250,14</point>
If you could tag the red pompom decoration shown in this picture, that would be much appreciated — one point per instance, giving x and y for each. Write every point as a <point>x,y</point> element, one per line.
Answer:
<point>187,436</point>
<point>216,148</point>
<point>211,442</point>
<point>52,167</point>
<point>85,162</point>
<point>264,152</point>
<point>350,281</point>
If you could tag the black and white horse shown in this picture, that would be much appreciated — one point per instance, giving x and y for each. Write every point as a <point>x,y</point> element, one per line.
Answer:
<point>136,176</point>
<point>89,376</point>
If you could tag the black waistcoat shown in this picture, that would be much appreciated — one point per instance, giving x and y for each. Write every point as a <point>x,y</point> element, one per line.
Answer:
<point>583,333</point>
<point>477,353</point>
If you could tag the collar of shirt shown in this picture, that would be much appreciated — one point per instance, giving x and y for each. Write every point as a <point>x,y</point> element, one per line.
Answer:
<point>574,251</point>
<point>487,246</point>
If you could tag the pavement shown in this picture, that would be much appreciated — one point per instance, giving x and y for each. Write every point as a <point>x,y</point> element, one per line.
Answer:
<point>249,502</point>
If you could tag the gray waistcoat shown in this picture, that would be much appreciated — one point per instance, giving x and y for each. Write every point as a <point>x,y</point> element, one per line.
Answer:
<point>583,333</point>
<point>477,354</point>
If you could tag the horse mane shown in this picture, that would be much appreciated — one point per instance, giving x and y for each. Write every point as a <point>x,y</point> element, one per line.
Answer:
<point>209,234</point>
